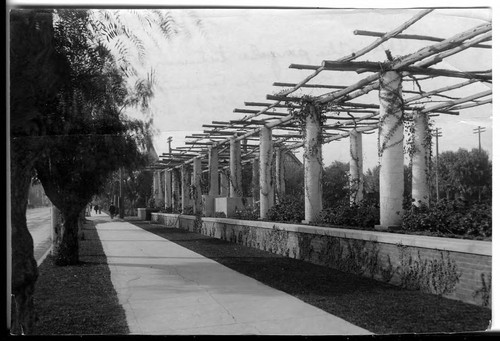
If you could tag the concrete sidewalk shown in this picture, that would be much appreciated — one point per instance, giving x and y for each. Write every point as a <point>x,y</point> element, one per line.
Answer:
<point>167,289</point>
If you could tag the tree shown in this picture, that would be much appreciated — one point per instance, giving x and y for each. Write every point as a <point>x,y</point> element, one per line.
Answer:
<point>35,72</point>
<point>87,137</point>
<point>465,174</point>
<point>335,183</point>
<point>371,186</point>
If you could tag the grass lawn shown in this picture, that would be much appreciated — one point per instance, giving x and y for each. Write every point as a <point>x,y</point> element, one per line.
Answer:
<point>79,299</point>
<point>378,307</point>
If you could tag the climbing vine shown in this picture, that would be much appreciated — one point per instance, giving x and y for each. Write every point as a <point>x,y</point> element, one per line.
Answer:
<point>394,104</point>
<point>356,183</point>
<point>437,276</point>
<point>485,290</point>
<point>307,109</point>
<point>411,148</point>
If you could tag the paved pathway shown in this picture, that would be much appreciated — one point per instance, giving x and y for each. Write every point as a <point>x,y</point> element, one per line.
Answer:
<point>167,289</point>
<point>39,225</point>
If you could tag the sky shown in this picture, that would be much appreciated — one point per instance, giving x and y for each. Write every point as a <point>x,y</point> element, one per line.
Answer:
<point>235,55</point>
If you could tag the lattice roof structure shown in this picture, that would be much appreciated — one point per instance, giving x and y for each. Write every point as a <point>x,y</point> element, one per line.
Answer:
<point>341,109</point>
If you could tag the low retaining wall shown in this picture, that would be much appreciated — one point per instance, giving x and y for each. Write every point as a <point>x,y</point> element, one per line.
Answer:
<point>455,268</point>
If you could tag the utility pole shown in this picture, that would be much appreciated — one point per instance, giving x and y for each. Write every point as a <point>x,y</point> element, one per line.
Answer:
<point>437,134</point>
<point>478,131</point>
<point>169,140</point>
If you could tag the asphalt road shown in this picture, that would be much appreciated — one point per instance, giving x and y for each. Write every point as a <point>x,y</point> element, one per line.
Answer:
<point>39,225</point>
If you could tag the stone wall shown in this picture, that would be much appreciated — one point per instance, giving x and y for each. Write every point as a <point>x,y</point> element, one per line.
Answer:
<point>455,268</point>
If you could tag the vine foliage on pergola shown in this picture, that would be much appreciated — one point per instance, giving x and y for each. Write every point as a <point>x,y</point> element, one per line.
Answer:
<point>339,113</point>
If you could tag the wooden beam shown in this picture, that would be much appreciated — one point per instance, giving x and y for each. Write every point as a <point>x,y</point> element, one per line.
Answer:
<point>351,56</point>
<point>264,104</point>
<point>411,36</point>
<point>450,104</point>
<point>370,83</point>
<point>270,113</point>
<point>360,67</point>
<point>437,91</point>
<point>320,86</point>
<point>473,105</point>
<point>304,67</point>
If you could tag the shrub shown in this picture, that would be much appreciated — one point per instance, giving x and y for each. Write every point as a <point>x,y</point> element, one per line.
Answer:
<point>454,217</point>
<point>363,214</point>
<point>219,215</point>
<point>248,213</point>
<point>289,209</point>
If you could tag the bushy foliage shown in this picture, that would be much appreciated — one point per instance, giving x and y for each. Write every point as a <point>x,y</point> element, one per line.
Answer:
<point>289,209</point>
<point>466,174</point>
<point>450,217</point>
<point>220,215</point>
<point>363,214</point>
<point>335,183</point>
<point>248,213</point>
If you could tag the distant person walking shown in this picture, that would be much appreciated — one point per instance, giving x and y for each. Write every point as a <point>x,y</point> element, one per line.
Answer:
<point>96,208</point>
<point>112,211</point>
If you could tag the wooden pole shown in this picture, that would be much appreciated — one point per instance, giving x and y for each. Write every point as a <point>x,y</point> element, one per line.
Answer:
<point>478,131</point>
<point>411,36</point>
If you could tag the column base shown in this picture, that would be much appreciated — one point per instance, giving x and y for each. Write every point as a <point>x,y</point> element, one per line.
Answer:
<point>208,204</point>
<point>229,205</point>
<point>387,227</point>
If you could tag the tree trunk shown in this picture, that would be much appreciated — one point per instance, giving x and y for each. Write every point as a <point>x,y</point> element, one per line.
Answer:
<point>65,242</point>
<point>24,266</point>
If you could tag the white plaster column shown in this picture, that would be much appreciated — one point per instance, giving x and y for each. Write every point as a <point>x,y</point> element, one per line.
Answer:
<point>155,185</point>
<point>184,187</point>
<point>266,158</point>
<point>176,189</point>
<point>419,183</point>
<point>280,173</point>
<point>235,187</point>
<point>168,188</point>
<point>313,166</point>
<point>224,183</point>
<point>356,167</point>
<point>197,186</point>
<point>391,151</point>
<point>161,188</point>
<point>213,171</point>
<point>255,179</point>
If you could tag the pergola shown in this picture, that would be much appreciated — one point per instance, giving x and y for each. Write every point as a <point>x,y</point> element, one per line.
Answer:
<point>285,122</point>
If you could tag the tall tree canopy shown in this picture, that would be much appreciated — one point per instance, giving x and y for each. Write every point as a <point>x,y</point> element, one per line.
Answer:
<point>466,174</point>
<point>34,79</point>
<point>87,136</point>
